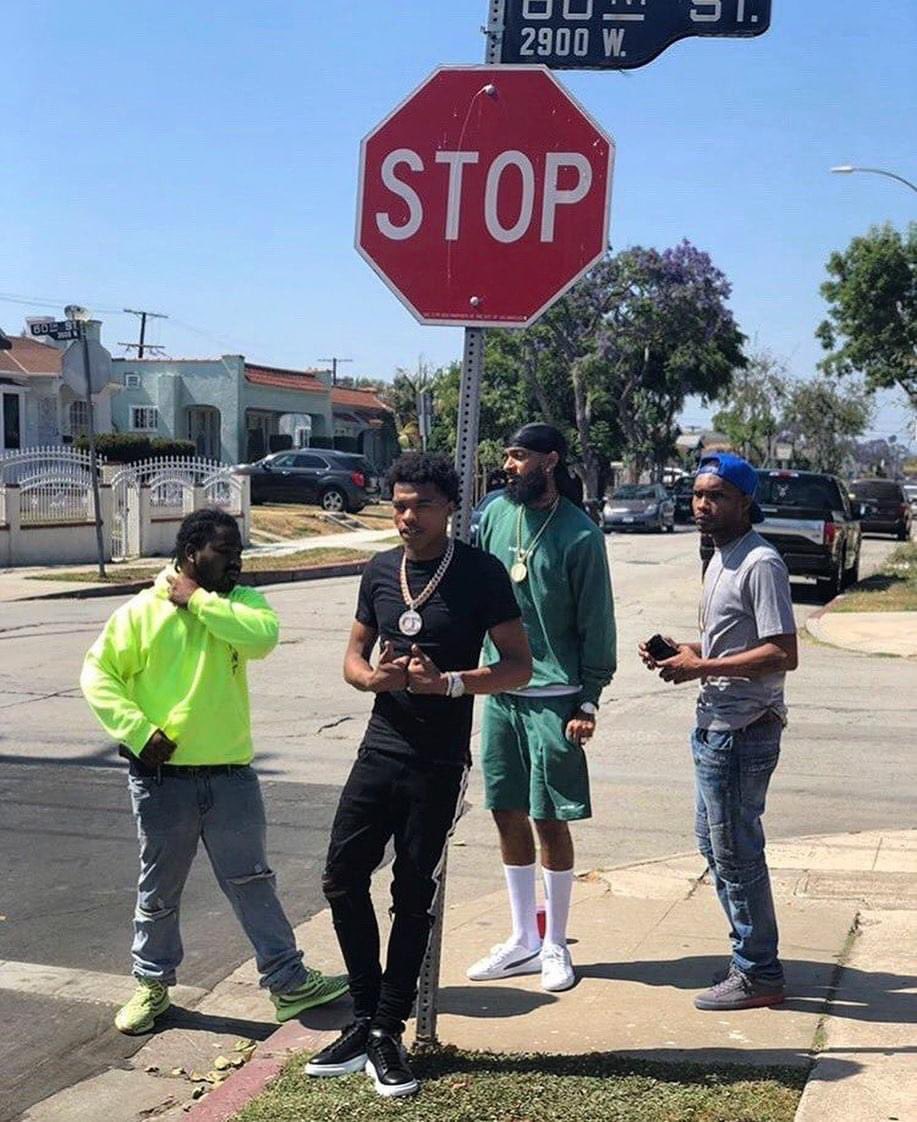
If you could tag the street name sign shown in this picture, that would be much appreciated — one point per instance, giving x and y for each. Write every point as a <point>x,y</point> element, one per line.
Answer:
<point>484,196</point>
<point>618,34</point>
<point>56,329</point>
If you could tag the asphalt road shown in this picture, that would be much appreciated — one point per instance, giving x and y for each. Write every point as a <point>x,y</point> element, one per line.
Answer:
<point>69,847</point>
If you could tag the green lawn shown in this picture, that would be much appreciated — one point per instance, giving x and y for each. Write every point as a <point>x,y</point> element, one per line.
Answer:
<point>892,589</point>
<point>128,574</point>
<point>484,1087</point>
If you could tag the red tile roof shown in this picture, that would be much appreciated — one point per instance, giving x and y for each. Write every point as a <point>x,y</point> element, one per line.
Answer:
<point>28,356</point>
<point>367,400</point>
<point>303,380</point>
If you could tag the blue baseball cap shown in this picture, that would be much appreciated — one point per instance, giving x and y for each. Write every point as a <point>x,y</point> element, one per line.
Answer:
<point>736,471</point>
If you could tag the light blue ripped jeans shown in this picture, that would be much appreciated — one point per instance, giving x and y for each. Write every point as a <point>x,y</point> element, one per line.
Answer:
<point>732,771</point>
<point>223,809</point>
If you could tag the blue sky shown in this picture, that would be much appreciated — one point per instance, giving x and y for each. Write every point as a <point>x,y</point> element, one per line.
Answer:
<point>201,160</point>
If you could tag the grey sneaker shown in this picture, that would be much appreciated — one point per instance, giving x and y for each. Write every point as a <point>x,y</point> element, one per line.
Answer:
<point>739,991</point>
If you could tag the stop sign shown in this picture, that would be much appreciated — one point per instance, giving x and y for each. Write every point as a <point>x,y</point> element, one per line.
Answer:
<point>484,195</point>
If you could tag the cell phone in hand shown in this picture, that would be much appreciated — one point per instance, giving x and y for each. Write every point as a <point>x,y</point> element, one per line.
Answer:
<point>659,650</point>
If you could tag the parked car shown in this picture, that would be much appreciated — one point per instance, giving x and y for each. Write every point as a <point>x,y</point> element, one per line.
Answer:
<point>910,493</point>
<point>890,510</point>
<point>812,523</point>
<point>338,482</point>
<point>639,506</point>
<point>479,510</point>
<point>681,493</point>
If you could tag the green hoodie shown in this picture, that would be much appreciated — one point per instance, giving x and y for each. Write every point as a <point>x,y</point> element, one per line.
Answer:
<point>566,602</point>
<point>181,670</point>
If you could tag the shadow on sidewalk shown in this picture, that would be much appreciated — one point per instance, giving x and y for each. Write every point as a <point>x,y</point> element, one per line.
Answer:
<point>491,1002</point>
<point>191,1020</point>
<point>809,985</point>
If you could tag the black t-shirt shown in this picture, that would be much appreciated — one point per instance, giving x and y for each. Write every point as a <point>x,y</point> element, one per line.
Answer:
<point>474,596</point>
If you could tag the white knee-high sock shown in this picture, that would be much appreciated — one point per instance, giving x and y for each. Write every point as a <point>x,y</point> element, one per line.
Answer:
<point>557,889</point>
<point>520,881</point>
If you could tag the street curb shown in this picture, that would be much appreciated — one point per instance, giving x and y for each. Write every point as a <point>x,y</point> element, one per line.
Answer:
<point>812,627</point>
<point>226,1100</point>
<point>251,580</point>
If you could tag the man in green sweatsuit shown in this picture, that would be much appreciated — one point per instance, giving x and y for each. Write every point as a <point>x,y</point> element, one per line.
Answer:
<point>166,679</point>
<point>532,739</point>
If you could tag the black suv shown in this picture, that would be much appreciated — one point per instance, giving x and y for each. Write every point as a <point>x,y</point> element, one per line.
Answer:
<point>812,523</point>
<point>338,482</point>
<point>889,510</point>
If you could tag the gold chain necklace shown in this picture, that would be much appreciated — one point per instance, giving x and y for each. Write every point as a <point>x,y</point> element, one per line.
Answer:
<point>411,621</point>
<point>520,570</point>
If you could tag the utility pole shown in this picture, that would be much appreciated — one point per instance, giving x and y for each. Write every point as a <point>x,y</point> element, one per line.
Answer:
<point>334,360</point>
<point>144,316</point>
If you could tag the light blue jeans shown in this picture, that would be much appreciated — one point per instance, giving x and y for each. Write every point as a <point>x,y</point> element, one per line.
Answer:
<point>223,809</point>
<point>732,771</point>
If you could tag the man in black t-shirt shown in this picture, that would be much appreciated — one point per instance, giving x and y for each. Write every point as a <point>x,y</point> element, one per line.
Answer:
<point>429,605</point>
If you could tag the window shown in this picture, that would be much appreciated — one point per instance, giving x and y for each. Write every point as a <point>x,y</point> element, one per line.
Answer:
<point>144,418</point>
<point>132,381</point>
<point>79,418</point>
<point>11,417</point>
<point>311,462</point>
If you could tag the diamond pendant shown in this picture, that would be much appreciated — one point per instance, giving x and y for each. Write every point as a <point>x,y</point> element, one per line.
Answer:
<point>410,623</point>
<point>519,572</point>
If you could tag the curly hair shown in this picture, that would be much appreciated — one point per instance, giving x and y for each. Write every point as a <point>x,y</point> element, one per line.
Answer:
<point>200,527</point>
<point>425,467</point>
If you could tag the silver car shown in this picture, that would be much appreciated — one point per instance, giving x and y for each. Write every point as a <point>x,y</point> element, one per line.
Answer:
<point>639,506</point>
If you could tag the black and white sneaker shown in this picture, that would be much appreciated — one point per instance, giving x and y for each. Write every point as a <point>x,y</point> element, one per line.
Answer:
<point>343,1056</point>
<point>387,1065</point>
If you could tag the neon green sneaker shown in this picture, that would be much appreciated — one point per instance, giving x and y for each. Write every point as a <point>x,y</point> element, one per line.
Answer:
<point>316,990</point>
<point>150,1000</point>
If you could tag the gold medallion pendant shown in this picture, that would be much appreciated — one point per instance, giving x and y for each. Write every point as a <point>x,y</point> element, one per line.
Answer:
<point>519,572</point>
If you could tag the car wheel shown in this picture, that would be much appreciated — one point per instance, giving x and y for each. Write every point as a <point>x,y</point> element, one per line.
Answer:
<point>670,528</point>
<point>829,587</point>
<point>903,534</point>
<point>852,575</point>
<point>334,501</point>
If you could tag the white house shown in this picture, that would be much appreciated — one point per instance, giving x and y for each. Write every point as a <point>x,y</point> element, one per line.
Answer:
<point>36,407</point>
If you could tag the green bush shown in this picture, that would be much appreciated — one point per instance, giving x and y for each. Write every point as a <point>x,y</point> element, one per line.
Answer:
<point>131,447</point>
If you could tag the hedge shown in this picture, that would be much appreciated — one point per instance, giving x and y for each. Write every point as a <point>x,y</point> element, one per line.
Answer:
<point>130,448</point>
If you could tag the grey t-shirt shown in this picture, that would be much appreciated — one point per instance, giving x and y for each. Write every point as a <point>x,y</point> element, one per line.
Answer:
<point>746,600</point>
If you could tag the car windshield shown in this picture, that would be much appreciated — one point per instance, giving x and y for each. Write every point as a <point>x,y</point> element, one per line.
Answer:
<point>875,489</point>
<point>813,492</point>
<point>635,491</point>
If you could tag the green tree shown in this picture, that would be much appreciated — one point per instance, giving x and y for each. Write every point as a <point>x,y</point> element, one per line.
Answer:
<point>824,422</point>
<point>871,327</point>
<point>401,396</point>
<point>753,417</point>
<point>613,361</point>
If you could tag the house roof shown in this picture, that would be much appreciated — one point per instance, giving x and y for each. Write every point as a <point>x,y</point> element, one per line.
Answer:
<point>366,401</point>
<point>303,380</point>
<point>27,356</point>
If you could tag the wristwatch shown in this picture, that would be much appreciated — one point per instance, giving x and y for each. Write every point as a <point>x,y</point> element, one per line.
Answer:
<point>455,684</point>
<point>589,709</point>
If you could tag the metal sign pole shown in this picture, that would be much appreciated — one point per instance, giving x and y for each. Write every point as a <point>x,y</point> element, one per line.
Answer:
<point>91,432</point>
<point>466,448</point>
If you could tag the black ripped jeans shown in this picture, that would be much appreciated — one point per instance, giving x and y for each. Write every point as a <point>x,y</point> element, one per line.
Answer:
<point>416,805</point>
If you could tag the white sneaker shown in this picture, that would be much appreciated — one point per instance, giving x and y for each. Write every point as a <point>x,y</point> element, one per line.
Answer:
<point>505,961</point>
<point>556,968</point>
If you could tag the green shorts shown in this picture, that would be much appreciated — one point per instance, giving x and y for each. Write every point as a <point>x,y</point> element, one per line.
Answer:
<point>527,761</point>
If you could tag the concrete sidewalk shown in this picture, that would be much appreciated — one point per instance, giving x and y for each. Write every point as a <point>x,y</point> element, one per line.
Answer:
<point>882,633</point>
<point>644,939</point>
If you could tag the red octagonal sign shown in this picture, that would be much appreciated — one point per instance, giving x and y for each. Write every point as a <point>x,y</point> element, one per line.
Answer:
<point>484,196</point>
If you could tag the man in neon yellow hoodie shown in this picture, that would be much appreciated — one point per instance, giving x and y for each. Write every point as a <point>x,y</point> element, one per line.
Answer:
<point>166,679</point>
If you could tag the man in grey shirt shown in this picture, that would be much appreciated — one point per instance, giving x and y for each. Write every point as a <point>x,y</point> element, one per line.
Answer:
<point>748,643</point>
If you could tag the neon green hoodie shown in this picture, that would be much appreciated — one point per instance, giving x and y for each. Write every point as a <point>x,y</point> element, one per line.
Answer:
<point>182,670</point>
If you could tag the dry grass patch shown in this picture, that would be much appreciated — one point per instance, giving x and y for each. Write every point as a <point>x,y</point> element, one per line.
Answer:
<point>892,589</point>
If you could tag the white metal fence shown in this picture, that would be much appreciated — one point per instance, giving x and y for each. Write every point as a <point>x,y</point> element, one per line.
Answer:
<point>55,487</point>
